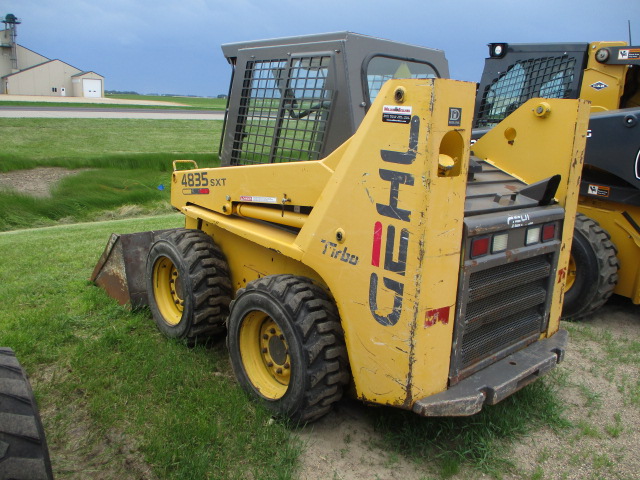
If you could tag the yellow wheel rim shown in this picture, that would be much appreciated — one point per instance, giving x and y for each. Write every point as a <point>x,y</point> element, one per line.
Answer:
<point>167,290</point>
<point>571,273</point>
<point>265,355</point>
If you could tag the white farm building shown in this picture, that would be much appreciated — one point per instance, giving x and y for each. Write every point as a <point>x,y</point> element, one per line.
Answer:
<point>25,72</point>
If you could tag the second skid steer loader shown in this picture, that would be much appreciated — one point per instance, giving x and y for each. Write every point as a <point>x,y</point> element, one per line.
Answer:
<point>606,248</point>
<point>351,238</point>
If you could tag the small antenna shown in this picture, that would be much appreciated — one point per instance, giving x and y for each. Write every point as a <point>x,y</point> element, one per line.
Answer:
<point>629,24</point>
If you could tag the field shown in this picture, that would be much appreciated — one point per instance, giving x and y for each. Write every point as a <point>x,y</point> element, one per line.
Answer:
<point>195,103</point>
<point>118,400</point>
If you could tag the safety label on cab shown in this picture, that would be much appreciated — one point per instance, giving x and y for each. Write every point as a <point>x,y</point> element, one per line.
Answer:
<point>599,191</point>
<point>628,53</point>
<point>246,198</point>
<point>396,114</point>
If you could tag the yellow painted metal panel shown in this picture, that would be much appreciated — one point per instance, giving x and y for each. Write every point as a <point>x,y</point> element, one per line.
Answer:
<point>298,183</point>
<point>603,84</point>
<point>387,231</point>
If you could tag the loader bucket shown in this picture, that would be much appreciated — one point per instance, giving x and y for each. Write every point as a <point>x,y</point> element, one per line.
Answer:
<point>121,268</point>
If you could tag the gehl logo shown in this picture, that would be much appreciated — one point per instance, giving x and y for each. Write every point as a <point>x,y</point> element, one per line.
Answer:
<point>394,261</point>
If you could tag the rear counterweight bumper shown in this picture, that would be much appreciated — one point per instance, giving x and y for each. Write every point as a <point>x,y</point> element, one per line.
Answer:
<point>496,382</point>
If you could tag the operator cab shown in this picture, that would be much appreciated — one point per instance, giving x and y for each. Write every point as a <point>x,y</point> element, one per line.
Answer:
<point>299,98</point>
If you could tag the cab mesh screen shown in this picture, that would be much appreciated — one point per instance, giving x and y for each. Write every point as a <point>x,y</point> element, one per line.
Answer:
<point>548,77</point>
<point>284,108</point>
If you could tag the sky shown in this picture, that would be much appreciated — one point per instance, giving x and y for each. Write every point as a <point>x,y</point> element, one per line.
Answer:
<point>173,47</point>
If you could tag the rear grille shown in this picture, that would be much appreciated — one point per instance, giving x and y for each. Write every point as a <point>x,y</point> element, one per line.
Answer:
<point>494,336</point>
<point>500,305</point>
<point>498,279</point>
<point>505,307</point>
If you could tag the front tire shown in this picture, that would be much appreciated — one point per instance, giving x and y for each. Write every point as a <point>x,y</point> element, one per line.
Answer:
<point>593,269</point>
<point>188,285</point>
<point>287,348</point>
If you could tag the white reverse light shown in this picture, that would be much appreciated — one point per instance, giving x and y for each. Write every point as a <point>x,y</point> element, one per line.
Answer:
<point>500,243</point>
<point>533,235</point>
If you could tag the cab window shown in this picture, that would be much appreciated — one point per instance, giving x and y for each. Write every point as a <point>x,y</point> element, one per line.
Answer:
<point>380,69</point>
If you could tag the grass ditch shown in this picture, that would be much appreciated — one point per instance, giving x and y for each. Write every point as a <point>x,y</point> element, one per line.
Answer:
<point>128,163</point>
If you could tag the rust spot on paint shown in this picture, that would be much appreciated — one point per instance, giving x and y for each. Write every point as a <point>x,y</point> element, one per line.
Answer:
<point>562,274</point>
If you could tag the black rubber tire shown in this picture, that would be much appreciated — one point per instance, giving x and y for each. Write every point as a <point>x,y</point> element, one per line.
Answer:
<point>309,320</point>
<point>596,262</point>
<point>205,281</point>
<point>23,447</point>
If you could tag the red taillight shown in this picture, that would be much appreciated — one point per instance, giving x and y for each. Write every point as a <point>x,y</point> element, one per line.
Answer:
<point>548,232</point>
<point>479,246</point>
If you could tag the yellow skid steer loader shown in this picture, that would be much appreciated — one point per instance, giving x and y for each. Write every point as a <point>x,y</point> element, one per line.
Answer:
<point>352,239</point>
<point>606,248</point>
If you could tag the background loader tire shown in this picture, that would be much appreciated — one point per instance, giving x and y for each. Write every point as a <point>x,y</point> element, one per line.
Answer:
<point>188,285</point>
<point>593,256</point>
<point>287,347</point>
<point>23,447</point>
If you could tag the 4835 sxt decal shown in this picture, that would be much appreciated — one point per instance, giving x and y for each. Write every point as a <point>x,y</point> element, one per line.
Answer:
<point>195,181</point>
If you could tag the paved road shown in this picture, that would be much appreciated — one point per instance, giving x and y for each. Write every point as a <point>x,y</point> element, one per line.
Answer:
<point>77,112</point>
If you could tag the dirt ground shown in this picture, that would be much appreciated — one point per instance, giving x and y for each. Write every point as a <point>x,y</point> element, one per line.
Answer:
<point>36,182</point>
<point>600,389</point>
<point>602,444</point>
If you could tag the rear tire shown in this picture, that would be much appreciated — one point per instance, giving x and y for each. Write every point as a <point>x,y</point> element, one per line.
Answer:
<point>593,269</point>
<point>23,447</point>
<point>188,285</point>
<point>287,347</point>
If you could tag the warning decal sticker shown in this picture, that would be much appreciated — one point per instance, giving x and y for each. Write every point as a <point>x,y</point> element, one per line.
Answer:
<point>628,53</point>
<point>599,191</point>
<point>396,114</point>
<point>246,198</point>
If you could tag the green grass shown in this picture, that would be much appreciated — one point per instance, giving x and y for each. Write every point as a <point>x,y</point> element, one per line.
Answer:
<point>181,408</point>
<point>482,441</point>
<point>75,143</point>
